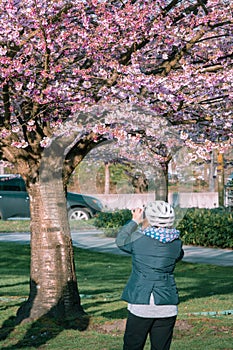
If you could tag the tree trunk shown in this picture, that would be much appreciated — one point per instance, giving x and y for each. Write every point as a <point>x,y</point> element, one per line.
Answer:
<point>161,191</point>
<point>107,179</point>
<point>220,175</point>
<point>212,174</point>
<point>53,283</point>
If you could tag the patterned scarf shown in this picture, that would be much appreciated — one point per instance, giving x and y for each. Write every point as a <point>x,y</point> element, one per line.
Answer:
<point>163,234</point>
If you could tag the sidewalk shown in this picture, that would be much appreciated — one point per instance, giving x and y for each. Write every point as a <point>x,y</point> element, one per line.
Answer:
<point>96,241</point>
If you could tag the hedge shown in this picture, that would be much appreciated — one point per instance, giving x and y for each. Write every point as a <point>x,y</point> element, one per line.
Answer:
<point>202,227</point>
<point>110,222</point>
<point>207,227</point>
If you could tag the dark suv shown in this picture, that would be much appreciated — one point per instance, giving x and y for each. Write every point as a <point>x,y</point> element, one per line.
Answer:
<point>14,201</point>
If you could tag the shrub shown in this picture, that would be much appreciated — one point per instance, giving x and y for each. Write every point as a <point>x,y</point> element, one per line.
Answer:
<point>203,227</point>
<point>110,222</point>
<point>207,227</point>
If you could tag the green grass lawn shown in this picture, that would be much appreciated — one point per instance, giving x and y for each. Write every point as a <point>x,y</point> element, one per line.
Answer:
<point>204,289</point>
<point>14,226</point>
<point>24,225</point>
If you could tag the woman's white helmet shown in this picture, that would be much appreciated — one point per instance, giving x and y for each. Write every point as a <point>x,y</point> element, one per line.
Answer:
<point>160,214</point>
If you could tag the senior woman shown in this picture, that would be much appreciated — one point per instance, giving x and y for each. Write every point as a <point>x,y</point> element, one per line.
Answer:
<point>151,290</point>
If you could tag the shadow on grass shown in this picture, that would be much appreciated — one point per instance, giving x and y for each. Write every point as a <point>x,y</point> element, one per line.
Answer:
<point>14,284</point>
<point>116,314</point>
<point>40,331</point>
<point>2,308</point>
<point>197,281</point>
<point>44,328</point>
<point>7,327</point>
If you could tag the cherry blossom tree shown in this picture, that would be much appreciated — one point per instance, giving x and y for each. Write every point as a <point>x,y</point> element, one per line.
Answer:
<point>67,67</point>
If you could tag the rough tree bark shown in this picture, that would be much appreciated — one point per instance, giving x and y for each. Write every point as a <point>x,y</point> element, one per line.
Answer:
<point>53,283</point>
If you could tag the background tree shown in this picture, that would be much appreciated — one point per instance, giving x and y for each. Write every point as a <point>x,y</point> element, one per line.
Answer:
<point>64,65</point>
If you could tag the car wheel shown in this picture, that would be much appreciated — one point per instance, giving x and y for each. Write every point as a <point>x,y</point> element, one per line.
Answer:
<point>78,214</point>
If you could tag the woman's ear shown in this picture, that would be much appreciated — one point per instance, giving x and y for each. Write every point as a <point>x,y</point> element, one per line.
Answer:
<point>145,223</point>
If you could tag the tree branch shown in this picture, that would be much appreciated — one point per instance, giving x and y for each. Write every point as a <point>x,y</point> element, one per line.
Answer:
<point>5,119</point>
<point>79,151</point>
<point>202,4</point>
<point>168,65</point>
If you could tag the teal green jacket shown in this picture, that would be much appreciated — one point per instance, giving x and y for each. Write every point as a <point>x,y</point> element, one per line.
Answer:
<point>153,264</point>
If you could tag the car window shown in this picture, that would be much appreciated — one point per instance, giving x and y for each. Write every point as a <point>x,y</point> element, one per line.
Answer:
<point>12,184</point>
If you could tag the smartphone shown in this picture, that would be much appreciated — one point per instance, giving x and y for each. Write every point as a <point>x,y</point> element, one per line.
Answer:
<point>143,214</point>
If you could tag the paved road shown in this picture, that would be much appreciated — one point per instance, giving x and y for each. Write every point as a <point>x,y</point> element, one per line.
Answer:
<point>95,240</point>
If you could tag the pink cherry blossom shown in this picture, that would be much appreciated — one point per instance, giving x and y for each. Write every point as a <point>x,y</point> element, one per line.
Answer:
<point>60,59</point>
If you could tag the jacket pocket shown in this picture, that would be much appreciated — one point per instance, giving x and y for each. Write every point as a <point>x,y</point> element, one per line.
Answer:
<point>166,295</point>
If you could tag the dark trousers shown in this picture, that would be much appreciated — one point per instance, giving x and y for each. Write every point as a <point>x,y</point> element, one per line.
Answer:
<point>137,329</point>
